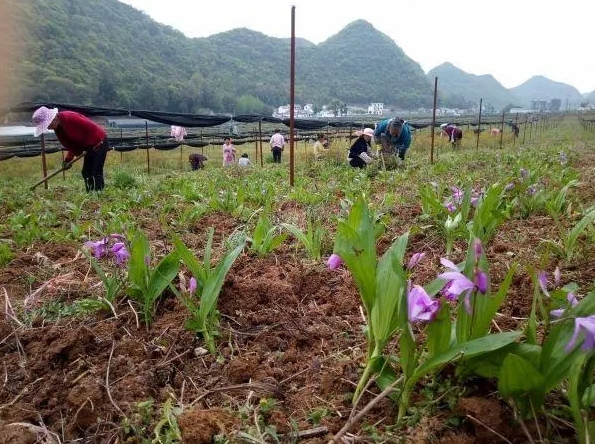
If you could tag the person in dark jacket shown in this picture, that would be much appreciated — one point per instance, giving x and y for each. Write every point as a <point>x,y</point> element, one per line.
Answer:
<point>360,151</point>
<point>77,134</point>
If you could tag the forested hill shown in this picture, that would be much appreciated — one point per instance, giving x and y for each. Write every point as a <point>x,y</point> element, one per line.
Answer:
<point>106,53</point>
<point>463,90</point>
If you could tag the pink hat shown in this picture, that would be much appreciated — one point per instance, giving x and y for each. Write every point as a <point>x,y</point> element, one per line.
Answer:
<point>42,117</point>
<point>368,132</point>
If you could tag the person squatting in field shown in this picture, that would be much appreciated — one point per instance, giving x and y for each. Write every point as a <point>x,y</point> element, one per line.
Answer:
<point>360,153</point>
<point>196,161</point>
<point>454,133</point>
<point>77,134</point>
<point>394,136</point>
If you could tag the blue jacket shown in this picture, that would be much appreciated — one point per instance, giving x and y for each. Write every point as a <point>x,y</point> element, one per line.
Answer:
<point>402,142</point>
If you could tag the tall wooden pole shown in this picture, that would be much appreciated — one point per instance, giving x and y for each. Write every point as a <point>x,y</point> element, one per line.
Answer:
<point>292,98</point>
<point>44,165</point>
<point>434,119</point>
<point>479,124</point>
<point>147,143</point>
<point>501,129</point>
<point>260,140</point>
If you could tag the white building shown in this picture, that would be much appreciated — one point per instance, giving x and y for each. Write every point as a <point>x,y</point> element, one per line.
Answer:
<point>376,108</point>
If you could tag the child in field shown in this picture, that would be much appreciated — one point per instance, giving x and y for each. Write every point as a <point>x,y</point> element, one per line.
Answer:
<point>244,161</point>
<point>229,152</point>
<point>320,146</point>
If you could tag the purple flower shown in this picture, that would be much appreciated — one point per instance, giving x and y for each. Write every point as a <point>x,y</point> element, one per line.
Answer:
<point>587,326</point>
<point>557,276</point>
<point>421,307</point>
<point>450,206</point>
<point>542,280</point>
<point>457,194</point>
<point>571,298</point>
<point>192,286</point>
<point>481,281</point>
<point>524,173</point>
<point>99,248</point>
<point>415,259</point>
<point>120,252</point>
<point>509,187</point>
<point>563,158</point>
<point>474,201</point>
<point>477,248</point>
<point>457,284</point>
<point>532,190</point>
<point>334,262</point>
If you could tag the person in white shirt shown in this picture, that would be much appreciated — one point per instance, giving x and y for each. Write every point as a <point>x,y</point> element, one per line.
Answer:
<point>244,161</point>
<point>277,143</point>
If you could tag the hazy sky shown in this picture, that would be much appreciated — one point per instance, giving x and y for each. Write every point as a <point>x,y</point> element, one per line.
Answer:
<point>511,39</point>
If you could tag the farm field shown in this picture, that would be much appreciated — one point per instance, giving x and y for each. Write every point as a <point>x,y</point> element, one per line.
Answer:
<point>100,347</point>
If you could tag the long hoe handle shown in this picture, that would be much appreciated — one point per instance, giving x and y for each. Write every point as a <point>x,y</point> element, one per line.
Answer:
<point>49,176</point>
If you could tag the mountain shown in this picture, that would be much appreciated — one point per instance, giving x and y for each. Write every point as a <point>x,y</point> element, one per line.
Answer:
<point>459,89</point>
<point>589,97</point>
<point>542,88</point>
<point>106,53</point>
<point>368,64</point>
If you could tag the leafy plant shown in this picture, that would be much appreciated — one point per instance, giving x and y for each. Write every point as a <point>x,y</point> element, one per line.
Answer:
<point>201,299</point>
<point>566,247</point>
<point>146,284</point>
<point>311,239</point>
<point>266,236</point>
<point>392,304</point>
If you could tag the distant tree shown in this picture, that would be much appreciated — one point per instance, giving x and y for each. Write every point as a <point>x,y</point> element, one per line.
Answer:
<point>555,104</point>
<point>248,104</point>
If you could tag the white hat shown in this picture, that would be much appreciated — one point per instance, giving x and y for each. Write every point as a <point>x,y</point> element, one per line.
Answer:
<point>444,125</point>
<point>42,117</point>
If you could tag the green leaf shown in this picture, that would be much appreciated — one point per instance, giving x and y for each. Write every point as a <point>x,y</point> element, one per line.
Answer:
<point>467,349</point>
<point>355,243</point>
<point>522,382</point>
<point>555,359</point>
<point>391,287</point>
<point>438,332</point>
<point>486,307</point>
<point>190,260</point>
<point>164,273</point>
<point>488,365</point>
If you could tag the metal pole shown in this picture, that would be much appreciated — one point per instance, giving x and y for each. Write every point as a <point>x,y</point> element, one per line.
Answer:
<point>147,143</point>
<point>63,171</point>
<point>255,147</point>
<point>501,129</point>
<point>525,128</point>
<point>516,120</point>
<point>44,165</point>
<point>434,119</point>
<point>260,141</point>
<point>292,98</point>
<point>479,124</point>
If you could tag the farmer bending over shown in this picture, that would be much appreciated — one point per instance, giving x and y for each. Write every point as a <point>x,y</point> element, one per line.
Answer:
<point>394,135</point>
<point>78,135</point>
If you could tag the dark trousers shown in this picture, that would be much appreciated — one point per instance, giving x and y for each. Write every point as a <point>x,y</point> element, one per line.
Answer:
<point>277,154</point>
<point>93,167</point>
